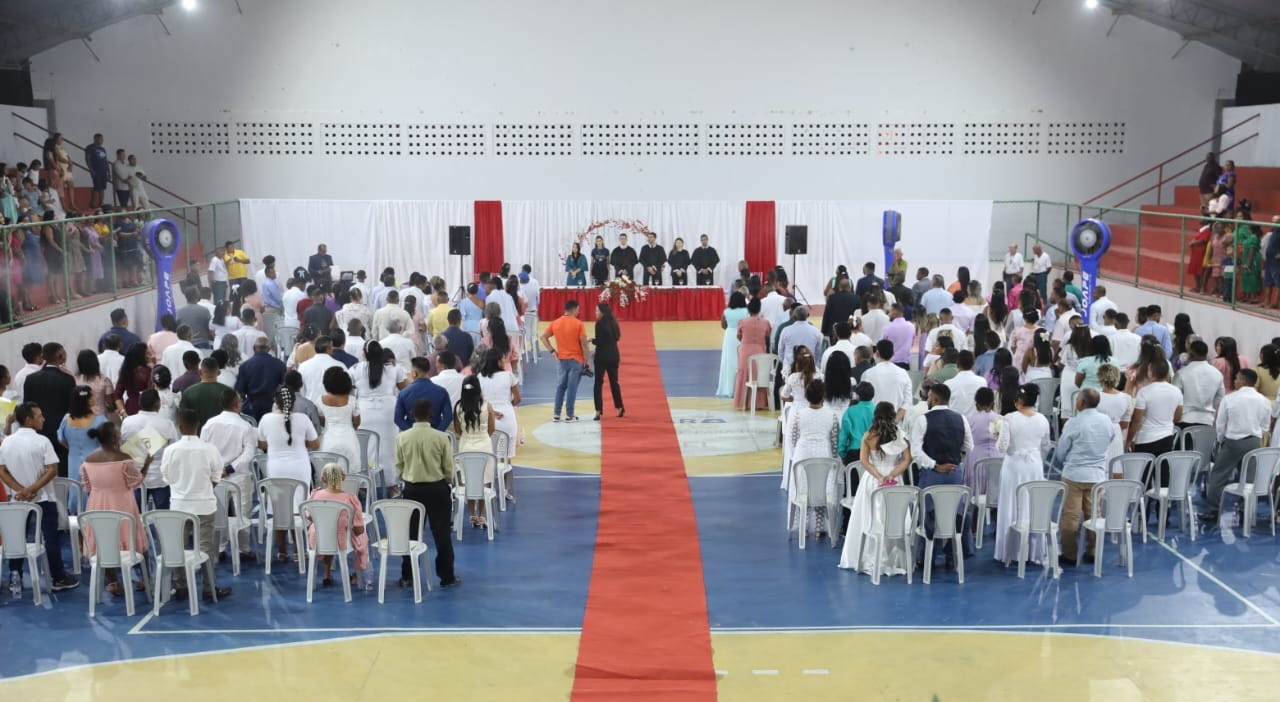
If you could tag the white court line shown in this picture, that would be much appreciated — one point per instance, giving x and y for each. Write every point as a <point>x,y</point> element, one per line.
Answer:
<point>1214,579</point>
<point>764,672</point>
<point>815,671</point>
<point>137,628</point>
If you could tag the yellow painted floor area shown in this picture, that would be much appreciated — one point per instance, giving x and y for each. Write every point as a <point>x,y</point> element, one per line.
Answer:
<point>671,336</point>
<point>378,668</point>
<point>984,667</point>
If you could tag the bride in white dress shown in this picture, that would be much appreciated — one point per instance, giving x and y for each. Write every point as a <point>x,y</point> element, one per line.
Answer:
<point>341,418</point>
<point>814,434</point>
<point>376,383</point>
<point>885,457</point>
<point>803,371</point>
<point>1023,439</point>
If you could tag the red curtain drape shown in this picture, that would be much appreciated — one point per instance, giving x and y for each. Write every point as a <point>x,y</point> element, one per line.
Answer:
<point>486,244</point>
<point>761,244</point>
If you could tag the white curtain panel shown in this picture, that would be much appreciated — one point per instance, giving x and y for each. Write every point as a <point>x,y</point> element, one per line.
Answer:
<point>413,235</point>
<point>291,230</point>
<point>540,233</point>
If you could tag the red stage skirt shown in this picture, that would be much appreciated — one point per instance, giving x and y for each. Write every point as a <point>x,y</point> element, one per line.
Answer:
<point>661,304</point>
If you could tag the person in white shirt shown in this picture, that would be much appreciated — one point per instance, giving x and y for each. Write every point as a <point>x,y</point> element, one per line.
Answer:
<point>192,467</point>
<point>771,305</point>
<point>965,384</point>
<point>1243,417</point>
<point>312,369</point>
<point>149,415</point>
<point>248,334</point>
<point>1157,409</point>
<point>876,319</point>
<point>385,314</point>
<point>400,344</point>
<point>355,339</point>
<point>846,341</point>
<point>935,299</point>
<point>892,383</point>
<point>236,442</point>
<point>1012,265</point>
<point>1062,323</point>
<point>530,288</point>
<point>1201,386</point>
<point>448,377</point>
<point>1098,310</point>
<point>506,303</point>
<point>172,358</point>
<point>362,285</point>
<point>946,326</point>
<point>962,315</point>
<point>33,354</point>
<point>1125,345</point>
<point>260,277</point>
<point>218,277</point>
<point>28,465</point>
<point>110,360</point>
<point>295,292</point>
<point>1040,267</point>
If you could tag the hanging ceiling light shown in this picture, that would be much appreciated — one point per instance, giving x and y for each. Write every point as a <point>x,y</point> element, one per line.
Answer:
<point>190,5</point>
<point>1091,4</point>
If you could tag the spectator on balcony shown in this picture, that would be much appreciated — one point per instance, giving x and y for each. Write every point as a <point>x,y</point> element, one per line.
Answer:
<point>65,169</point>
<point>1208,179</point>
<point>1271,266</point>
<point>137,184</point>
<point>1197,252</point>
<point>1227,178</point>
<point>120,179</point>
<point>98,161</point>
<point>1219,250</point>
<point>1248,256</point>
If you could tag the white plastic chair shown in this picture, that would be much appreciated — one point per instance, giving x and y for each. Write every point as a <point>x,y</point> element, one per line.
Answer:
<point>13,531</point>
<point>370,463</point>
<point>1263,463</point>
<point>1044,499</point>
<point>761,369</point>
<point>987,479</point>
<point>397,516</point>
<point>947,500</point>
<point>469,485</point>
<point>852,476</point>
<point>534,346</point>
<point>1114,504</point>
<point>249,418</point>
<point>278,511</point>
<point>63,490</point>
<point>286,336</point>
<point>1047,404</point>
<point>326,517</point>
<point>228,497</point>
<point>319,459</point>
<point>1183,467</point>
<point>898,505</point>
<point>352,485</point>
<point>169,529</point>
<point>1201,438</point>
<point>814,472</point>
<point>1135,466</point>
<point>502,476</point>
<point>258,464</point>
<point>107,527</point>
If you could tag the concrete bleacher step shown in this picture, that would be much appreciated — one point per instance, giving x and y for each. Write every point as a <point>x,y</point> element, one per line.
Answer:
<point>1154,239</point>
<point>1164,268</point>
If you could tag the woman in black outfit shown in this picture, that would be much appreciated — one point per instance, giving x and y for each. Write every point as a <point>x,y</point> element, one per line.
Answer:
<point>678,261</point>
<point>606,341</point>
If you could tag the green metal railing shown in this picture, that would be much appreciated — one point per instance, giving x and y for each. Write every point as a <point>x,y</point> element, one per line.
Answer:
<point>1049,224</point>
<point>51,251</point>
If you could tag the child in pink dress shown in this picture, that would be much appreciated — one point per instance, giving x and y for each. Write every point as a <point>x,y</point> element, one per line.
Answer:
<point>110,476</point>
<point>332,476</point>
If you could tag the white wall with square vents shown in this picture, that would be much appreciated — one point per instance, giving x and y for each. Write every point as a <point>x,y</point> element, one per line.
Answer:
<point>912,99</point>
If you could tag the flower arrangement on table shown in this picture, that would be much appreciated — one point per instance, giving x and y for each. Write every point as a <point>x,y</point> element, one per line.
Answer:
<point>624,289</point>
<point>599,227</point>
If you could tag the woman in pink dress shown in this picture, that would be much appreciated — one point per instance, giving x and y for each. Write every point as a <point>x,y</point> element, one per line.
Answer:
<point>753,338</point>
<point>109,475</point>
<point>332,476</point>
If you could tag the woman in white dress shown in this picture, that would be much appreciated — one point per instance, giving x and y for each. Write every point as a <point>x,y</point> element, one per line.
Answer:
<point>1076,348</point>
<point>503,394</point>
<point>814,434</point>
<point>340,415</point>
<point>473,423</point>
<point>376,383</point>
<point>1023,439</point>
<point>885,456</point>
<point>1037,364</point>
<point>736,312</point>
<point>286,436</point>
<point>1116,405</point>
<point>804,370</point>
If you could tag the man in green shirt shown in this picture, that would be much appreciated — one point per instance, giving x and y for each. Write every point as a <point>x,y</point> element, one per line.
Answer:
<point>205,397</point>
<point>424,461</point>
<point>855,422</point>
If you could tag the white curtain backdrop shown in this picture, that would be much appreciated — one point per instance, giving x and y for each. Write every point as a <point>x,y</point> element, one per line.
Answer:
<point>413,234</point>
<point>941,235</point>
<point>540,232</point>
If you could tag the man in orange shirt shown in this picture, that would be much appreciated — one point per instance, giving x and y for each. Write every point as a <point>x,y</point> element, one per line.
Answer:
<point>571,349</point>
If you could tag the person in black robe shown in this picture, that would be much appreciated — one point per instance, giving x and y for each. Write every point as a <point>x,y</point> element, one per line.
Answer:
<point>652,259</point>
<point>678,260</point>
<point>624,259</point>
<point>704,259</point>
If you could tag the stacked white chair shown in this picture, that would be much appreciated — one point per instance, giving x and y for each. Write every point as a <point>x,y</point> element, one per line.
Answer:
<point>1257,473</point>
<point>1114,505</point>
<point>13,531</point>
<point>1044,513</point>
<point>169,529</point>
<point>107,527</point>
<point>949,501</point>
<point>468,484</point>
<point>1182,466</point>
<point>397,516</point>
<point>326,517</point>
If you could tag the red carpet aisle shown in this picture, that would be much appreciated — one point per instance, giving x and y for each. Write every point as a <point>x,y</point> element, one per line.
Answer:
<point>645,635</point>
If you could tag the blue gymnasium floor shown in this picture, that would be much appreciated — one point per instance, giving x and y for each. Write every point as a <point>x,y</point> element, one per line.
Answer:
<point>780,617</point>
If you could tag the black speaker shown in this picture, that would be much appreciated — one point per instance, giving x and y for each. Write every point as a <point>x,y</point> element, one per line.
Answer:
<point>797,239</point>
<point>459,241</point>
